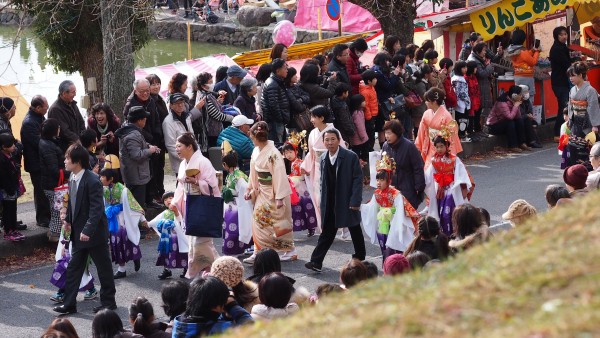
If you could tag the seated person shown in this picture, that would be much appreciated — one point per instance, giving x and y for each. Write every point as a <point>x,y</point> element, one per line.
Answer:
<point>526,110</point>
<point>237,136</point>
<point>505,119</point>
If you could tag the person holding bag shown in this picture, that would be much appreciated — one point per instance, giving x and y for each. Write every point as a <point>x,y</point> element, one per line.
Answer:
<point>196,176</point>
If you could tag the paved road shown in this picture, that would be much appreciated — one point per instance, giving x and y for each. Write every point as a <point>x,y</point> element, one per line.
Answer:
<point>26,309</point>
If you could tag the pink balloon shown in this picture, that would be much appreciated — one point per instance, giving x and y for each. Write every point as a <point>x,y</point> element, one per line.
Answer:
<point>284,33</point>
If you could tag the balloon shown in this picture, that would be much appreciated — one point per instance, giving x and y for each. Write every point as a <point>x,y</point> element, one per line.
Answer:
<point>284,33</point>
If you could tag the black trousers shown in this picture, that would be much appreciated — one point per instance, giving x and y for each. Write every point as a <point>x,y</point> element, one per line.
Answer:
<point>101,258</point>
<point>328,236</point>
<point>156,187</point>
<point>562,96</point>
<point>9,215</point>
<point>514,130</point>
<point>41,202</point>
<point>139,193</point>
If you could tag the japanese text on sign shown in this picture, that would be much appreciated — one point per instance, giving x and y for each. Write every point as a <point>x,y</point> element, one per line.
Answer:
<point>507,15</point>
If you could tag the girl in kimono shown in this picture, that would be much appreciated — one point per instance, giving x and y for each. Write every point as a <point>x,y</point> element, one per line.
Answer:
<point>311,166</point>
<point>447,182</point>
<point>388,219</point>
<point>303,213</point>
<point>63,257</point>
<point>270,190</point>
<point>172,246</point>
<point>238,212</point>
<point>433,119</point>
<point>124,215</point>
<point>584,112</point>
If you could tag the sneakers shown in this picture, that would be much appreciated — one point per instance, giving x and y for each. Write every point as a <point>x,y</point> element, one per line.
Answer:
<point>250,260</point>
<point>345,235</point>
<point>13,236</point>
<point>525,147</point>
<point>288,256</point>
<point>91,294</point>
<point>465,139</point>
<point>58,297</point>
<point>249,251</point>
<point>313,266</point>
<point>515,150</point>
<point>311,232</point>
<point>166,273</point>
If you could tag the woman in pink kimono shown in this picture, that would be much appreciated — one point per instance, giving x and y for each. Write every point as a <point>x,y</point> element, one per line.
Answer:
<point>196,174</point>
<point>433,119</point>
<point>269,189</point>
<point>311,167</point>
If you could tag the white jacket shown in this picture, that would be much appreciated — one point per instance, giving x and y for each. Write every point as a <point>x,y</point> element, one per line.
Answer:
<point>172,129</point>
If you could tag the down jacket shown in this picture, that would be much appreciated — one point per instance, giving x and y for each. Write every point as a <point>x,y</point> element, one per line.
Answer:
<point>274,101</point>
<point>52,159</point>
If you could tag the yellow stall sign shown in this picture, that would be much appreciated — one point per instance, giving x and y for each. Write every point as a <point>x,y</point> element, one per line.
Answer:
<point>510,14</point>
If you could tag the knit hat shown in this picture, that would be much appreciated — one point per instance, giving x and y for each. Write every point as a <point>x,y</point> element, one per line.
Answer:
<point>519,208</point>
<point>6,104</point>
<point>236,71</point>
<point>395,264</point>
<point>228,269</point>
<point>575,176</point>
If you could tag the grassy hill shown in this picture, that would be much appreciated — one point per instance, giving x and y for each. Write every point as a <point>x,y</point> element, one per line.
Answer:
<point>539,280</point>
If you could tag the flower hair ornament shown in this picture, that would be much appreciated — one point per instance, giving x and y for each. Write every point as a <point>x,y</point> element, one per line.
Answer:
<point>446,131</point>
<point>386,163</point>
<point>297,139</point>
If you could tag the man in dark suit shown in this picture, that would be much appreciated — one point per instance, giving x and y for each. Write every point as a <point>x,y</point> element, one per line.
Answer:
<point>88,226</point>
<point>235,75</point>
<point>341,196</point>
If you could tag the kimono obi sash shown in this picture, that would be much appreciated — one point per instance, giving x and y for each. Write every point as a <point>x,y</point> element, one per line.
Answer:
<point>264,177</point>
<point>579,107</point>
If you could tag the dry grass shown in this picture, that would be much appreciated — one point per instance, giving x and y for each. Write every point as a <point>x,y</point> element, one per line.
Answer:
<point>28,196</point>
<point>540,280</point>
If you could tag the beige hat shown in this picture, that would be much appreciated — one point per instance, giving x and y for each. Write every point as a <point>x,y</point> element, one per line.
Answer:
<point>228,269</point>
<point>518,209</point>
<point>112,162</point>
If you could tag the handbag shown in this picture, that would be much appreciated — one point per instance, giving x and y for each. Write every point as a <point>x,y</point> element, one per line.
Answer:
<point>60,191</point>
<point>204,215</point>
<point>413,99</point>
<point>398,102</point>
<point>22,189</point>
<point>303,121</point>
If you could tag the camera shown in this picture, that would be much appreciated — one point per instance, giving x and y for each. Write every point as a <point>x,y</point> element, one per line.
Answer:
<point>328,74</point>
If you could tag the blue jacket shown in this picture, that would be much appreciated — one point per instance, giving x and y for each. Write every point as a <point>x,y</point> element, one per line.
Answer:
<point>200,326</point>
<point>239,141</point>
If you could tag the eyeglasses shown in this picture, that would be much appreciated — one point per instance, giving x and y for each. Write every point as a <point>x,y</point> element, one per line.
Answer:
<point>144,91</point>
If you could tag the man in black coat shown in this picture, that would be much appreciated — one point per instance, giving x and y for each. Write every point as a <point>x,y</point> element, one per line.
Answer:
<point>341,53</point>
<point>88,226</point>
<point>341,197</point>
<point>31,131</point>
<point>65,110</point>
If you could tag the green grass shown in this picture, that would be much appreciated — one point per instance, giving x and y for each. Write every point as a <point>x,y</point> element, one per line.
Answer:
<point>539,280</point>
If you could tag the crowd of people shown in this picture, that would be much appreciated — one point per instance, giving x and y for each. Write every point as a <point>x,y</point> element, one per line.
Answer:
<point>293,146</point>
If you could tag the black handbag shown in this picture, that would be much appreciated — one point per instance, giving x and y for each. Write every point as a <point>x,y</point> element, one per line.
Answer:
<point>302,120</point>
<point>204,215</point>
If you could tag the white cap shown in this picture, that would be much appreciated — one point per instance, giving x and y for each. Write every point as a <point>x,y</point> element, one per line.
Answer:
<point>241,120</point>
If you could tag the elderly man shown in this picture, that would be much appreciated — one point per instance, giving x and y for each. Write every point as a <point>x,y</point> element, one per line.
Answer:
<point>140,97</point>
<point>65,110</point>
<point>237,136</point>
<point>235,75</point>
<point>178,122</point>
<point>30,135</point>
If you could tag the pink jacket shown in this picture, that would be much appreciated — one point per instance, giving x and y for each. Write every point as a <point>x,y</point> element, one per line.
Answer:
<point>360,136</point>
<point>503,110</point>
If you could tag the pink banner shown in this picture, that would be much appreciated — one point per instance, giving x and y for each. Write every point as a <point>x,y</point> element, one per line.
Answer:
<point>355,19</point>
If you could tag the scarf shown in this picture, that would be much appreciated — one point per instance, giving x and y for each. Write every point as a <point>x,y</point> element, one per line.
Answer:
<point>111,212</point>
<point>164,244</point>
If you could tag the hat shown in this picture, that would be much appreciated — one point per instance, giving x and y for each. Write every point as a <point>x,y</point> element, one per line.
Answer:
<point>236,71</point>
<point>137,113</point>
<point>575,176</point>
<point>524,88</point>
<point>241,120</point>
<point>111,161</point>
<point>176,97</point>
<point>6,104</point>
<point>395,265</point>
<point>519,208</point>
<point>228,269</point>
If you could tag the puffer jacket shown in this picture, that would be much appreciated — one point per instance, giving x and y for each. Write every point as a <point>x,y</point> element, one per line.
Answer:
<point>343,119</point>
<point>299,100</point>
<point>483,79</point>
<point>372,108</point>
<point>134,154</point>
<point>274,101</point>
<point>318,95</point>
<point>523,60</point>
<point>52,159</point>
<point>30,137</point>
<point>210,324</point>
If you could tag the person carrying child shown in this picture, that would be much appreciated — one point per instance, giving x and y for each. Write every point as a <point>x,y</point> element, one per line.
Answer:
<point>447,182</point>
<point>124,215</point>
<point>173,245</point>
<point>388,219</point>
<point>238,212</point>
<point>304,216</point>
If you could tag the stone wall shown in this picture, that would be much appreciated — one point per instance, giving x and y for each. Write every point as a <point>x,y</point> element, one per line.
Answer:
<point>226,33</point>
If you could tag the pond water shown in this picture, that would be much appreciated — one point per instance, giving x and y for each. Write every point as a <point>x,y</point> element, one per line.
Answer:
<point>23,61</point>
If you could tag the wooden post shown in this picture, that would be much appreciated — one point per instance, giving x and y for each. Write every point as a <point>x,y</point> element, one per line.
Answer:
<point>189,41</point>
<point>319,24</point>
<point>340,20</point>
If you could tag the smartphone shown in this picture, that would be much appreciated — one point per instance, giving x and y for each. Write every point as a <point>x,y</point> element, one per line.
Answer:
<point>536,44</point>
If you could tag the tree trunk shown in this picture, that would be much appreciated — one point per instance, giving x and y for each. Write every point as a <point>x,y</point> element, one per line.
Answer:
<point>91,67</point>
<point>118,53</point>
<point>395,16</point>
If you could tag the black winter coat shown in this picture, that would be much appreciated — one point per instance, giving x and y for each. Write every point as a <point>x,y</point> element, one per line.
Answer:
<point>560,61</point>
<point>409,177</point>
<point>299,100</point>
<point>52,160</point>
<point>70,119</point>
<point>340,69</point>
<point>247,105</point>
<point>31,131</point>
<point>318,95</point>
<point>152,131</point>
<point>9,179</point>
<point>231,96</point>
<point>343,119</point>
<point>274,101</point>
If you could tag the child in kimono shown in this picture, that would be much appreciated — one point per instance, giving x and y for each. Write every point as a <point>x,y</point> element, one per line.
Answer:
<point>63,257</point>
<point>388,219</point>
<point>447,182</point>
<point>237,233</point>
<point>303,213</point>
<point>124,215</point>
<point>172,246</point>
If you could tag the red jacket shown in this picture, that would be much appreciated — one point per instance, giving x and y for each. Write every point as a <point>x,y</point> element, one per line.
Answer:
<point>474,93</point>
<point>353,74</point>
<point>451,101</point>
<point>372,108</point>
